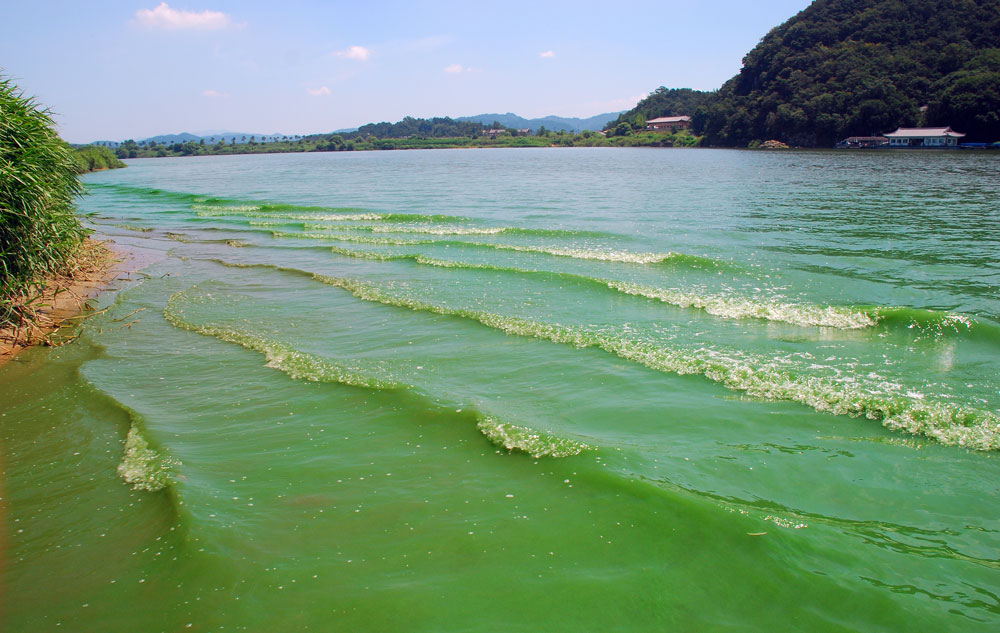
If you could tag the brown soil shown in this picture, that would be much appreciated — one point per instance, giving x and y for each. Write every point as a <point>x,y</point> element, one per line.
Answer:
<point>64,297</point>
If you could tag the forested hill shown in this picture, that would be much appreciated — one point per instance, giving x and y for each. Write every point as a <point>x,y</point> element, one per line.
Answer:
<point>857,67</point>
<point>662,102</point>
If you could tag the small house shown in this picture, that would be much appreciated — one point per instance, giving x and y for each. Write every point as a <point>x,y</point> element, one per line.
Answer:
<point>939,137</point>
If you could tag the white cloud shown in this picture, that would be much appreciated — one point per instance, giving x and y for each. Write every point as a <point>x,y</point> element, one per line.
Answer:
<point>547,54</point>
<point>164,17</point>
<point>359,53</point>
<point>212,93</point>
<point>318,92</point>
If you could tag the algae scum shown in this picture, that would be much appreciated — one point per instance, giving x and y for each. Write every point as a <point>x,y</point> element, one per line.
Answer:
<point>522,390</point>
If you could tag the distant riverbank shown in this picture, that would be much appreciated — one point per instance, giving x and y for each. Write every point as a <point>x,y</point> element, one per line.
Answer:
<point>337,143</point>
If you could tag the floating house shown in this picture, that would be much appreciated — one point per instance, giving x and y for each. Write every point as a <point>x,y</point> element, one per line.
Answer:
<point>939,137</point>
<point>669,123</point>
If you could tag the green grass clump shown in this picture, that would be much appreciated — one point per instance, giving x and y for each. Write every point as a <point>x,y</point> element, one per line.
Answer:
<point>39,229</point>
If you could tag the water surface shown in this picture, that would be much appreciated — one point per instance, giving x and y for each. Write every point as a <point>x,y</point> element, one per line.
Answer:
<point>514,390</point>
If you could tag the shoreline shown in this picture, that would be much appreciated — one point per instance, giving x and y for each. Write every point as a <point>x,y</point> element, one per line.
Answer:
<point>66,297</point>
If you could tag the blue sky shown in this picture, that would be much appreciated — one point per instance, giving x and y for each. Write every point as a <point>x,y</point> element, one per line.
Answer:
<point>132,69</point>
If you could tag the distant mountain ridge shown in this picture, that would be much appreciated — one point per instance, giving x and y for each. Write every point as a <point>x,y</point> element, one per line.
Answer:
<point>552,122</point>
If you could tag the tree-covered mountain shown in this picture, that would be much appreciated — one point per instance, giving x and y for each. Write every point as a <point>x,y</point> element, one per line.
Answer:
<point>857,67</point>
<point>555,123</point>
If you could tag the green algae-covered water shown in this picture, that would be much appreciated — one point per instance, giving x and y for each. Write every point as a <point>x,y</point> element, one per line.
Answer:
<point>521,390</point>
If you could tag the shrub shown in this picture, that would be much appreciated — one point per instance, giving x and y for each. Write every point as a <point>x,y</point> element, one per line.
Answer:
<point>39,229</point>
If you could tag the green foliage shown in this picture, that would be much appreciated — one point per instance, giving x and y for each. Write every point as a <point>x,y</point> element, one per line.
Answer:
<point>663,102</point>
<point>39,229</point>
<point>129,149</point>
<point>94,157</point>
<point>435,128</point>
<point>859,67</point>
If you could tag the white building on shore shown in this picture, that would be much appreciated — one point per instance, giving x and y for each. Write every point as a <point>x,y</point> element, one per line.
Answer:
<point>924,137</point>
<point>669,123</point>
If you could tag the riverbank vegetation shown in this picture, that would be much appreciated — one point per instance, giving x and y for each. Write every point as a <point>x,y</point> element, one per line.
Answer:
<point>40,232</point>
<point>89,158</point>
<point>391,136</point>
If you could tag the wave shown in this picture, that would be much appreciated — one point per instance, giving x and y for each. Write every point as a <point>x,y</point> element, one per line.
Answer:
<point>358,239</point>
<point>523,439</point>
<point>731,307</point>
<point>895,406</point>
<point>611,255</point>
<point>934,323</point>
<point>607,255</point>
<point>393,216</point>
<point>145,466</point>
<point>152,193</point>
<point>280,356</point>
<point>217,205</point>
<point>337,214</point>
<point>142,467</point>
<point>926,322</point>
<point>133,227</point>
<point>923,322</point>
<point>209,212</point>
<point>769,379</point>
<point>439,230</point>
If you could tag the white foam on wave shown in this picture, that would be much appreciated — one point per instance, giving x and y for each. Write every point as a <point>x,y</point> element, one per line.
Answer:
<point>279,355</point>
<point>141,466</point>
<point>527,440</point>
<point>736,307</point>
<point>779,378</point>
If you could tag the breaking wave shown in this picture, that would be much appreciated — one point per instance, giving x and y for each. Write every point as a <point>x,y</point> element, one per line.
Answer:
<point>523,439</point>
<point>247,212</point>
<point>142,467</point>
<point>456,230</point>
<point>894,406</point>
<point>934,323</point>
<point>279,356</point>
<point>733,307</point>
<point>606,255</point>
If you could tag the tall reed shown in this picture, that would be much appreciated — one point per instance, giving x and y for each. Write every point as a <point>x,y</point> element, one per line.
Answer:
<point>39,229</point>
